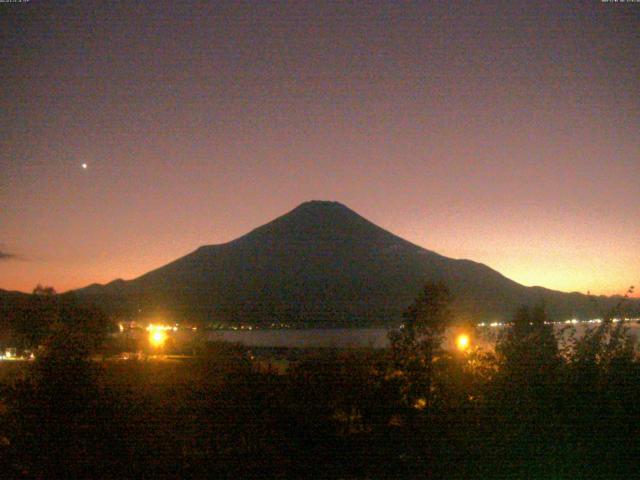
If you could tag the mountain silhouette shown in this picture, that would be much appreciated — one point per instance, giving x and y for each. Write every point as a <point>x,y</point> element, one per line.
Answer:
<point>321,264</point>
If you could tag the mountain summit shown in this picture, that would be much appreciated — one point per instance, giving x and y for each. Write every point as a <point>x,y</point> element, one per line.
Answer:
<point>321,264</point>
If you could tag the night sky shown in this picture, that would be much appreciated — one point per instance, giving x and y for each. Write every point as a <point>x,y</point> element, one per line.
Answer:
<point>503,132</point>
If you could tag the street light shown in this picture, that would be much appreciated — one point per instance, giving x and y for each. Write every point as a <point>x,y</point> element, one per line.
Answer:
<point>462,342</point>
<point>157,338</point>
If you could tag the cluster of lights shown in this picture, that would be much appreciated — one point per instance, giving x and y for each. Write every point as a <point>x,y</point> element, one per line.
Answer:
<point>572,321</point>
<point>161,328</point>
<point>463,341</point>
<point>255,327</point>
<point>242,327</point>
<point>10,354</point>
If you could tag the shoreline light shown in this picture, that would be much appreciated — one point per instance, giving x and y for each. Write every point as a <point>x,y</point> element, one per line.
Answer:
<point>157,338</point>
<point>462,342</point>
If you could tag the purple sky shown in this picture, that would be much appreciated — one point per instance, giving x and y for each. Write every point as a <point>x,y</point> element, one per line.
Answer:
<point>503,132</point>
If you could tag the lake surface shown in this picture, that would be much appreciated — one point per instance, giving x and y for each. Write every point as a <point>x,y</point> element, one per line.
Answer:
<point>316,337</point>
<point>354,337</point>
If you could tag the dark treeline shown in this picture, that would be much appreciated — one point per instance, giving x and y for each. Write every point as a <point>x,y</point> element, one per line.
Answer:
<point>542,405</point>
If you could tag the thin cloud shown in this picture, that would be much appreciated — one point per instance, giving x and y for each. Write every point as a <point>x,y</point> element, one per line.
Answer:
<point>4,256</point>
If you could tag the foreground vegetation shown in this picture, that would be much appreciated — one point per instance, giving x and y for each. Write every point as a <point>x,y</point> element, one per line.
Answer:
<point>536,407</point>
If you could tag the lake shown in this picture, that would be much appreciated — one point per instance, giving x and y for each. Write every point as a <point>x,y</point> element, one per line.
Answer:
<point>354,337</point>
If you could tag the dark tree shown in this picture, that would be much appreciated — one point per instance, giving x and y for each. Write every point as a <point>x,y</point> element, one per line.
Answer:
<point>418,342</point>
<point>59,423</point>
<point>530,346</point>
<point>30,318</point>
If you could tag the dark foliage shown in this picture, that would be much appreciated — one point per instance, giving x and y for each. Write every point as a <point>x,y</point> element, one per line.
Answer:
<point>544,404</point>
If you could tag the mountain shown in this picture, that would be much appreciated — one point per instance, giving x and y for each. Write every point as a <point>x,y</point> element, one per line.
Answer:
<point>11,294</point>
<point>321,264</point>
<point>8,299</point>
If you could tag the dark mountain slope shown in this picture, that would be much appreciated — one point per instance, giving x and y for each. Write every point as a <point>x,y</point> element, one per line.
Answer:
<point>321,264</point>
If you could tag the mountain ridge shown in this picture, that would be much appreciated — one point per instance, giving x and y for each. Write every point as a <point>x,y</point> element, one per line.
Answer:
<point>321,264</point>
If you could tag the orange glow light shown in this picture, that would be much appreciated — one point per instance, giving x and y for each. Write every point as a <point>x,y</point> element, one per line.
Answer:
<point>157,338</point>
<point>462,342</point>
